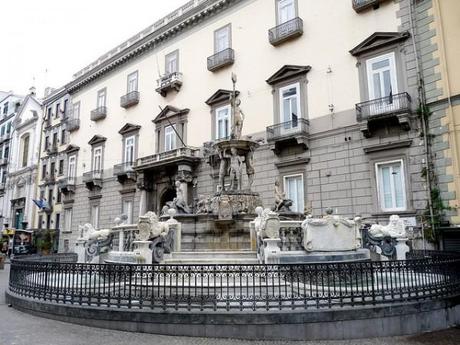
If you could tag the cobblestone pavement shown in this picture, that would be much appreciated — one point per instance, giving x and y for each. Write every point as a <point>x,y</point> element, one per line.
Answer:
<point>17,328</point>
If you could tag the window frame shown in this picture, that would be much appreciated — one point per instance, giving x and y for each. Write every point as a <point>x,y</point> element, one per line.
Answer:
<point>285,177</point>
<point>76,110</point>
<point>168,57</point>
<point>102,93</point>
<point>393,73</point>
<point>228,28</point>
<point>71,177</point>
<point>124,201</point>
<point>229,125</point>
<point>25,150</point>
<point>125,148</point>
<point>68,214</point>
<point>136,74</point>
<point>172,134</point>
<point>281,101</point>
<point>93,160</point>
<point>380,198</point>
<point>278,14</point>
<point>95,216</point>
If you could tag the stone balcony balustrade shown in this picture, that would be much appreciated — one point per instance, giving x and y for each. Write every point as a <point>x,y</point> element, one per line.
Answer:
<point>67,185</point>
<point>168,82</point>
<point>124,171</point>
<point>93,179</point>
<point>287,133</point>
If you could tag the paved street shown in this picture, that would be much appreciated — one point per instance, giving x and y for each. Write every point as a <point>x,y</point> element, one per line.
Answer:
<point>18,328</point>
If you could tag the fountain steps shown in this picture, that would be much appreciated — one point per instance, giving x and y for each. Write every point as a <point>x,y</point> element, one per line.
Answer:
<point>211,257</point>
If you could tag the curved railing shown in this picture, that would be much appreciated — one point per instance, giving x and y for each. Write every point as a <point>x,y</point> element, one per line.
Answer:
<point>239,287</point>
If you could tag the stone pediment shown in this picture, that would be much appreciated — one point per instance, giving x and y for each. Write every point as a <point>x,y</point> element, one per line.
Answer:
<point>128,128</point>
<point>220,96</point>
<point>288,72</point>
<point>97,139</point>
<point>378,40</point>
<point>72,148</point>
<point>170,111</point>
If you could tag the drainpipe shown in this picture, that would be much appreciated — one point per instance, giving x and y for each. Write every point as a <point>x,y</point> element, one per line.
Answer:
<point>422,102</point>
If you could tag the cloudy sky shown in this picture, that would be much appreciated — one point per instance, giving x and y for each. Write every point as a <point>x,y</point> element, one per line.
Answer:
<point>45,42</point>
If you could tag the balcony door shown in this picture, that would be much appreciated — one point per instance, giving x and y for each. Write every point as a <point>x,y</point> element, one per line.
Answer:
<point>382,83</point>
<point>71,169</point>
<point>129,151</point>
<point>97,162</point>
<point>223,122</point>
<point>289,108</point>
<point>222,39</point>
<point>286,11</point>
<point>170,138</point>
<point>293,187</point>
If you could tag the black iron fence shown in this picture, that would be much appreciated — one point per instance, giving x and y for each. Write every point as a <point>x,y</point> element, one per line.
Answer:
<point>238,287</point>
<point>394,104</point>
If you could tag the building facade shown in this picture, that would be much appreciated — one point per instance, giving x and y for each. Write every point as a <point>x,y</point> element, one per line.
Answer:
<point>10,104</point>
<point>20,186</point>
<point>53,162</point>
<point>334,110</point>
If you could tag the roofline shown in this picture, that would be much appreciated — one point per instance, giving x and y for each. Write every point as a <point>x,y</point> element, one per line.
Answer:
<point>203,9</point>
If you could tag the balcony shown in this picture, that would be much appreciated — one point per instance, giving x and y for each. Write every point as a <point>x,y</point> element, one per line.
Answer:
<point>3,161</point>
<point>168,82</point>
<point>67,185</point>
<point>294,132</point>
<point>286,31</point>
<point>224,58</point>
<point>52,149</point>
<point>361,5</point>
<point>373,112</point>
<point>72,124</point>
<point>130,99</point>
<point>183,155</point>
<point>93,179</point>
<point>49,179</point>
<point>124,171</point>
<point>98,113</point>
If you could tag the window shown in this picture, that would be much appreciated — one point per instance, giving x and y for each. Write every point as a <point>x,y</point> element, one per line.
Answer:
<point>43,171</point>
<point>61,167</point>
<point>132,82</point>
<point>5,108</point>
<point>8,128</point>
<point>76,110</point>
<point>223,122</point>
<point>71,171</point>
<point>95,216</point>
<point>49,113</point>
<point>6,152</point>
<point>128,211</point>
<point>52,169</point>
<point>63,137</point>
<point>101,98</point>
<point>58,105</point>
<point>391,186</point>
<point>97,159</point>
<point>40,222</point>
<point>2,131</point>
<point>58,221</point>
<point>222,39</point>
<point>68,219</point>
<point>381,76</point>
<point>47,142</point>
<point>172,62</point>
<point>50,198</point>
<point>290,106</point>
<point>25,150</point>
<point>64,110</point>
<point>129,150</point>
<point>55,139</point>
<point>170,138</point>
<point>286,10</point>
<point>293,187</point>
<point>59,196</point>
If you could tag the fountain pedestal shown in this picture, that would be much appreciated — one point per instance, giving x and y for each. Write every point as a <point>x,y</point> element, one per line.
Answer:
<point>143,252</point>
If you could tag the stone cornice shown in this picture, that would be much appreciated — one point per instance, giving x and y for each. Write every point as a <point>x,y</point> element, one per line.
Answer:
<point>387,146</point>
<point>202,12</point>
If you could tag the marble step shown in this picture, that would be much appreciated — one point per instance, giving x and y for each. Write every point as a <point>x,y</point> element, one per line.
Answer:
<point>221,257</point>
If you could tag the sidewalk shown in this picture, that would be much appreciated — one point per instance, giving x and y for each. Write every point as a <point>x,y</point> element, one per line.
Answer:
<point>18,328</point>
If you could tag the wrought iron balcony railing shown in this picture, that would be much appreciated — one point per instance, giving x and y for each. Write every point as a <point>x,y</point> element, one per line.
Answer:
<point>288,129</point>
<point>72,124</point>
<point>221,59</point>
<point>67,184</point>
<point>130,99</point>
<point>361,5</point>
<point>283,32</point>
<point>382,107</point>
<point>170,81</point>
<point>98,113</point>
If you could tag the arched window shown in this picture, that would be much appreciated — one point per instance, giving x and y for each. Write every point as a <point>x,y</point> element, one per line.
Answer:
<point>25,150</point>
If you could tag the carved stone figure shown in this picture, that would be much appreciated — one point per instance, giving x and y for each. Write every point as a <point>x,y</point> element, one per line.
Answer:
<point>222,170</point>
<point>179,203</point>
<point>96,242</point>
<point>250,171</point>
<point>236,175</point>
<point>238,120</point>
<point>281,203</point>
<point>395,229</point>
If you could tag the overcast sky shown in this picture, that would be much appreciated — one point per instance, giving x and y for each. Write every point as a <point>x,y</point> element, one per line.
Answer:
<point>50,40</point>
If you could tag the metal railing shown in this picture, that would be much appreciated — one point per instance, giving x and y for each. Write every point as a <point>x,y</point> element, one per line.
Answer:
<point>285,31</point>
<point>221,59</point>
<point>72,124</point>
<point>193,152</point>
<point>288,129</point>
<point>58,257</point>
<point>98,113</point>
<point>395,104</point>
<point>123,168</point>
<point>361,5</point>
<point>129,99</point>
<point>238,287</point>
<point>91,176</point>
